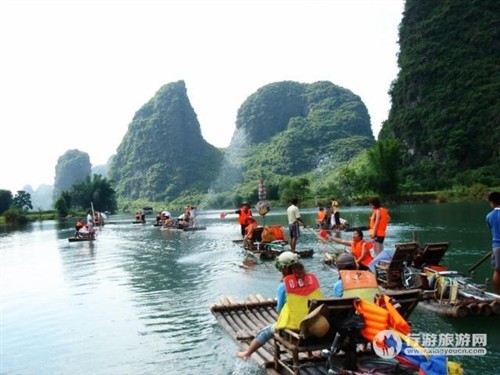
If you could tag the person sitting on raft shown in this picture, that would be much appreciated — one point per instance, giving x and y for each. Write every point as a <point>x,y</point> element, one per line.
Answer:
<point>295,289</point>
<point>321,218</point>
<point>183,220</point>
<point>360,248</point>
<point>78,226</point>
<point>251,224</point>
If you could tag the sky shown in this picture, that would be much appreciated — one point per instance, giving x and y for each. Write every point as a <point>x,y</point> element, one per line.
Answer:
<point>73,73</point>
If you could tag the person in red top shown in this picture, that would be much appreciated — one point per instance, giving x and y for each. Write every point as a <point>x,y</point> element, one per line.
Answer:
<point>378,224</point>
<point>243,213</point>
<point>360,249</point>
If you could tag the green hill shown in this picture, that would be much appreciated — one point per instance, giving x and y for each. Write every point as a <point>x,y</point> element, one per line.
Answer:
<point>291,128</point>
<point>163,153</point>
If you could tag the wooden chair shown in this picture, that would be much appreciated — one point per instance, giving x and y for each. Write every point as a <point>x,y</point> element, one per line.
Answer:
<point>389,273</point>
<point>294,343</point>
<point>431,254</point>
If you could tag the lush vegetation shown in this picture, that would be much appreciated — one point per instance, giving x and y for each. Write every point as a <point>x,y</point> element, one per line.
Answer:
<point>96,190</point>
<point>445,102</point>
<point>14,209</point>
<point>290,129</point>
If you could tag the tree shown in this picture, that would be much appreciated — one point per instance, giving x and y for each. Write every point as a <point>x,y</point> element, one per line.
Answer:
<point>22,201</point>
<point>294,187</point>
<point>97,190</point>
<point>61,206</point>
<point>5,200</point>
<point>384,161</point>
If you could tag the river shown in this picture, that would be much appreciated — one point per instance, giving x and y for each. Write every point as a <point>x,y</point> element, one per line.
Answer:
<point>136,300</point>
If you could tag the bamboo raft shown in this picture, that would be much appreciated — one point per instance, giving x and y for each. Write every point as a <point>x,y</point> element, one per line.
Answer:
<point>242,320</point>
<point>81,239</point>
<point>269,251</point>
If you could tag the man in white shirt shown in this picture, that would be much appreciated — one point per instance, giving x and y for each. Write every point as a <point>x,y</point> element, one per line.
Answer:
<point>294,220</point>
<point>90,223</point>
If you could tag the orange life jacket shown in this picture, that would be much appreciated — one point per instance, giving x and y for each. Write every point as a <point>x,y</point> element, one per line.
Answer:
<point>298,292</point>
<point>273,233</point>
<point>396,321</point>
<point>378,318</point>
<point>321,216</point>
<point>243,216</point>
<point>382,224</point>
<point>357,250</point>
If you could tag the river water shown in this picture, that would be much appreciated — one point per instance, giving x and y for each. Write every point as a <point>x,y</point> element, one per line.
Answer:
<point>136,300</point>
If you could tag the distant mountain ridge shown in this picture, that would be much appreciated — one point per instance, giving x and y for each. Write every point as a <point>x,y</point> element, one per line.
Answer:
<point>284,125</point>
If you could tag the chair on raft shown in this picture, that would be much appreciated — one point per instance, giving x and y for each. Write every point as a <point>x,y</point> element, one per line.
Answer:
<point>431,254</point>
<point>293,343</point>
<point>390,273</point>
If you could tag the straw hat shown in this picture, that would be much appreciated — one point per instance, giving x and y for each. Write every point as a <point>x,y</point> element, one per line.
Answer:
<point>315,323</point>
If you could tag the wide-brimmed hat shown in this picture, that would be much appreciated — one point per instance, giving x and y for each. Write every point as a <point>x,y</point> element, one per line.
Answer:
<point>245,204</point>
<point>315,323</point>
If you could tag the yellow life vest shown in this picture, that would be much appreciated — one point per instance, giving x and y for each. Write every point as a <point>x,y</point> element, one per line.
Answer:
<point>298,292</point>
<point>361,284</point>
